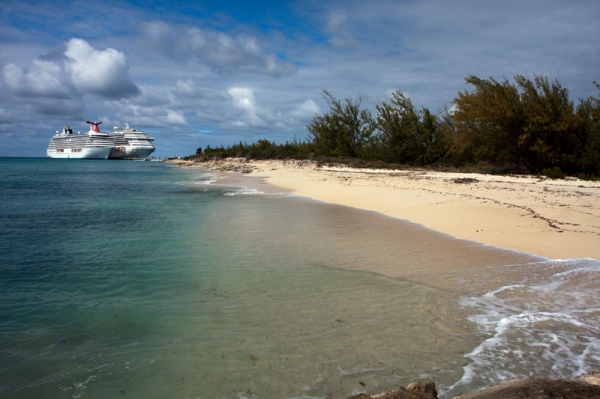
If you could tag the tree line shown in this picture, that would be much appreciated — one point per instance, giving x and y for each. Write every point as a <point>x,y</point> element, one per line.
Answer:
<point>526,126</point>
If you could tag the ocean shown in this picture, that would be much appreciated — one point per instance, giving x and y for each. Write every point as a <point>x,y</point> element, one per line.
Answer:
<point>142,280</point>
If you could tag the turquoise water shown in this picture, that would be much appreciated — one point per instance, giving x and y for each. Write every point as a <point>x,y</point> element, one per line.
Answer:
<point>140,279</point>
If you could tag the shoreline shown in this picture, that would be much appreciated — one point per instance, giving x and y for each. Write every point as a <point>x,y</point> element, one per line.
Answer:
<point>527,215</point>
<point>556,219</point>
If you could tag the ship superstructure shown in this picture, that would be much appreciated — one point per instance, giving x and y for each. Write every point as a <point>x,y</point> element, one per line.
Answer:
<point>90,145</point>
<point>131,143</point>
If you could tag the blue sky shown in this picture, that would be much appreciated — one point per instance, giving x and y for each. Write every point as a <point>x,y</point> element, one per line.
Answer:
<point>203,73</point>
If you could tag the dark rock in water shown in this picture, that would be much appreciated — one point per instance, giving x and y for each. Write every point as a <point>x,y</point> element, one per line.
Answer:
<point>531,388</point>
<point>537,388</point>
<point>591,378</point>
<point>415,390</point>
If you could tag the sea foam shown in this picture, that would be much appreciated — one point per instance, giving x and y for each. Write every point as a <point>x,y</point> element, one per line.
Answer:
<point>546,324</point>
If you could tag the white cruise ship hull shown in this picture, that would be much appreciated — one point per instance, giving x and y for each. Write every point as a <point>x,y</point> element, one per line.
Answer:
<point>127,152</point>
<point>80,153</point>
<point>139,153</point>
<point>131,144</point>
<point>92,145</point>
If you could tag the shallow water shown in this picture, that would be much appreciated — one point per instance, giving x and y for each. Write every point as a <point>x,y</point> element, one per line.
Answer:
<point>139,278</point>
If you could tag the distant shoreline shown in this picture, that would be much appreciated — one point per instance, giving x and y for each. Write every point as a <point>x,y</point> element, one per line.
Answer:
<point>557,219</point>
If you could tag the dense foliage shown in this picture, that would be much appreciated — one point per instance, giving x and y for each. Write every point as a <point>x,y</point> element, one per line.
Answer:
<point>407,135</point>
<point>523,126</point>
<point>532,124</point>
<point>344,131</point>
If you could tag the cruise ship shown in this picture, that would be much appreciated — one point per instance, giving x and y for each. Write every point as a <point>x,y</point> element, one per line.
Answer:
<point>90,145</point>
<point>131,143</point>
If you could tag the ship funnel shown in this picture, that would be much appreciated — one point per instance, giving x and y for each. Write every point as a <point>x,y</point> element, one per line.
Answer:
<point>94,126</point>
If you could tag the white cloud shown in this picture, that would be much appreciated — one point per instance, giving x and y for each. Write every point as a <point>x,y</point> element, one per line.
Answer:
<point>220,52</point>
<point>104,73</point>
<point>42,80</point>
<point>197,39</point>
<point>152,96</point>
<point>341,37</point>
<point>228,55</point>
<point>185,88</point>
<point>243,99</point>
<point>156,30</point>
<point>152,116</point>
<point>183,65</point>
<point>175,118</point>
<point>306,111</point>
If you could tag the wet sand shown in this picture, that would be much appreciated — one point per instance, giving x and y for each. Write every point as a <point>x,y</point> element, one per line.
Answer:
<point>508,282</point>
<point>557,219</point>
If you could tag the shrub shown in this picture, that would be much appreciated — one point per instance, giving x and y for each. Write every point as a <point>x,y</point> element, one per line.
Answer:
<point>553,173</point>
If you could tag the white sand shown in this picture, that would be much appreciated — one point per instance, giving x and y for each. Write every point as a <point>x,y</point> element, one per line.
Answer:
<point>557,219</point>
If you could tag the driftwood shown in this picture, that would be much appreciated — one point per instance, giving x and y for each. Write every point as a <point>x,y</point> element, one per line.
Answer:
<point>465,180</point>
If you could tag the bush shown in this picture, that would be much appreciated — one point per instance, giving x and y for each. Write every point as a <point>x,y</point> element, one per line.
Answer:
<point>553,173</point>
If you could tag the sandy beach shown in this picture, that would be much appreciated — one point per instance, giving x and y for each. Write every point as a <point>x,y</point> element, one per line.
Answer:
<point>558,219</point>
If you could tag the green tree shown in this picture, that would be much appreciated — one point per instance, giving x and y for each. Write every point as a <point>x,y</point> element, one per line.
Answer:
<point>398,124</point>
<point>344,130</point>
<point>488,122</point>
<point>531,124</point>
<point>552,131</point>
<point>589,113</point>
<point>408,135</point>
<point>433,140</point>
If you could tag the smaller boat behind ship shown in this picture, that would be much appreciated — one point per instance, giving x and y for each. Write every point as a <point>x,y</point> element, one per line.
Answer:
<point>91,145</point>
<point>131,143</point>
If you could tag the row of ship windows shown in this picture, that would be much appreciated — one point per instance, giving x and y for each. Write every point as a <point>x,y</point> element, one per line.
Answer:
<point>73,150</point>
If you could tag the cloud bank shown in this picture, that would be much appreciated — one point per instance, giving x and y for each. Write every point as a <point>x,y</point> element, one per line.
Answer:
<point>103,73</point>
<point>218,51</point>
<point>215,75</point>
